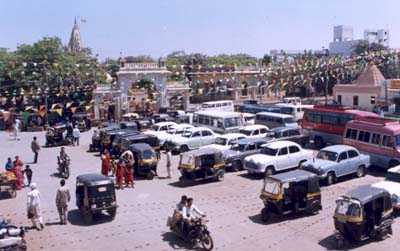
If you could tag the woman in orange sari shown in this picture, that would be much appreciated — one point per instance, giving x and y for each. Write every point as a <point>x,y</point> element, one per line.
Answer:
<point>105,163</point>
<point>18,164</point>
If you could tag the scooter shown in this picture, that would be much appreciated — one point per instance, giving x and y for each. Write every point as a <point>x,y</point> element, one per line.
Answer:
<point>11,237</point>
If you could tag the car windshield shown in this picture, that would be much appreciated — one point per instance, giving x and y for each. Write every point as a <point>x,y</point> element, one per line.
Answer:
<point>245,132</point>
<point>186,134</point>
<point>221,141</point>
<point>269,151</point>
<point>346,207</point>
<point>327,155</point>
<point>271,187</point>
<point>155,127</point>
<point>148,154</point>
<point>239,147</point>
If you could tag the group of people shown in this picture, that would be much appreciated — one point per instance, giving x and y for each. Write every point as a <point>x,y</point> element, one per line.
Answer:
<point>121,168</point>
<point>16,167</point>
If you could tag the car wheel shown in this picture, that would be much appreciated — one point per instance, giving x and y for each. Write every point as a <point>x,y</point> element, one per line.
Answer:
<point>301,162</point>
<point>236,166</point>
<point>330,179</point>
<point>184,148</point>
<point>361,171</point>
<point>269,171</point>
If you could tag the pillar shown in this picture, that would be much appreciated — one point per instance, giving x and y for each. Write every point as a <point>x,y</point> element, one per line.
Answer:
<point>96,106</point>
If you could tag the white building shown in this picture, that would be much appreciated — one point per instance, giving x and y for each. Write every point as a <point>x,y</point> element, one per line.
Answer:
<point>380,36</point>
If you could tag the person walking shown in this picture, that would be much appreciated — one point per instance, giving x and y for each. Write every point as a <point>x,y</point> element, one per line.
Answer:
<point>33,207</point>
<point>76,134</point>
<point>28,173</point>
<point>35,149</point>
<point>62,198</point>
<point>16,128</point>
<point>169,156</point>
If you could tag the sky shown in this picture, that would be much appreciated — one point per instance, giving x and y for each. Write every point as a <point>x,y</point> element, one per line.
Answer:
<point>158,27</point>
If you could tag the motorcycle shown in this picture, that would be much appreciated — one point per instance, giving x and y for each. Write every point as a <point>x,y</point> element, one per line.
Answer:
<point>197,233</point>
<point>11,237</point>
<point>63,167</point>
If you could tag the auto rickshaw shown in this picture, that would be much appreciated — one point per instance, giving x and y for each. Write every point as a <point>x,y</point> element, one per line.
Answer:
<point>290,192</point>
<point>57,136</point>
<point>95,193</point>
<point>145,160</point>
<point>363,213</point>
<point>201,164</point>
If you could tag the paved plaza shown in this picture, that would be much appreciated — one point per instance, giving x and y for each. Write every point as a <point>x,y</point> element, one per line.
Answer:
<point>232,206</point>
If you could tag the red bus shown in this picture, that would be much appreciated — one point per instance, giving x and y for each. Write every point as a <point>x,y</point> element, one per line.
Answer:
<point>377,137</point>
<point>326,123</point>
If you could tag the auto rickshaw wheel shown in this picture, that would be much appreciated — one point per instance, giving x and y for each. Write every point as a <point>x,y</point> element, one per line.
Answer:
<point>150,175</point>
<point>237,165</point>
<point>265,215</point>
<point>112,212</point>
<point>220,176</point>
<point>88,217</point>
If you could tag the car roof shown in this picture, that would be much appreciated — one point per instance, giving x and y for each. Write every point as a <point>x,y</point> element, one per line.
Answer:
<point>282,143</point>
<point>251,140</point>
<point>276,115</point>
<point>231,135</point>
<point>285,128</point>
<point>366,193</point>
<point>253,127</point>
<point>196,129</point>
<point>94,179</point>
<point>165,123</point>
<point>293,176</point>
<point>180,126</point>
<point>338,148</point>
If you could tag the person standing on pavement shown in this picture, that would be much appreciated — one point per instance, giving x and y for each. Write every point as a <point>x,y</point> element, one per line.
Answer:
<point>76,134</point>
<point>120,174</point>
<point>35,149</point>
<point>18,164</point>
<point>16,128</point>
<point>9,165</point>
<point>169,156</point>
<point>28,173</point>
<point>62,198</point>
<point>105,163</point>
<point>33,207</point>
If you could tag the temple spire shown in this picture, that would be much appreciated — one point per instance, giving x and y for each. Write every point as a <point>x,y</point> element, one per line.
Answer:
<point>75,42</point>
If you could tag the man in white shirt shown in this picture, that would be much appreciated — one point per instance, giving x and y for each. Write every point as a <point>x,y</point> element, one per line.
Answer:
<point>191,211</point>
<point>76,134</point>
<point>33,207</point>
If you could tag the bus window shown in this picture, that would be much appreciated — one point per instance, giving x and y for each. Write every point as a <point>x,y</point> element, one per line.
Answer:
<point>366,137</point>
<point>361,136</point>
<point>206,120</point>
<point>398,140</point>
<point>376,139</point>
<point>351,133</point>
<point>386,141</point>
<point>220,124</point>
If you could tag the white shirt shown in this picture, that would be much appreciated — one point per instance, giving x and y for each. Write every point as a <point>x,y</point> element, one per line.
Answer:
<point>128,154</point>
<point>33,199</point>
<point>191,212</point>
<point>76,133</point>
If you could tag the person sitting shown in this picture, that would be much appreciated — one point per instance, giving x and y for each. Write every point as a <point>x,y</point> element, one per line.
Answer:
<point>63,155</point>
<point>177,219</point>
<point>190,213</point>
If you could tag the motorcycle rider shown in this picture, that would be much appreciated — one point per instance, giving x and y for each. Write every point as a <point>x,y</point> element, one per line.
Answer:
<point>189,213</point>
<point>63,157</point>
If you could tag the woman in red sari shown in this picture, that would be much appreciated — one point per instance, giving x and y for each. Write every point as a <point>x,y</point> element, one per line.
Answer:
<point>18,164</point>
<point>120,174</point>
<point>128,173</point>
<point>105,163</point>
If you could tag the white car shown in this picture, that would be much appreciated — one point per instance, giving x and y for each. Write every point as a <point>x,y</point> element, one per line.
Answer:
<point>161,127</point>
<point>255,131</point>
<point>192,138</point>
<point>277,156</point>
<point>226,141</point>
<point>392,185</point>
<point>173,131</point>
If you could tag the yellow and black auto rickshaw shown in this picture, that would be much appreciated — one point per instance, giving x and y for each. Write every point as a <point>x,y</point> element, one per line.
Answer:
<point>364,213</point>
<point>145,160</point>
<point>290,192</point>
<point>201,164</point>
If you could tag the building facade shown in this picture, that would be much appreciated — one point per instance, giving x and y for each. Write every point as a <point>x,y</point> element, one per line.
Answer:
<point>380,36</point>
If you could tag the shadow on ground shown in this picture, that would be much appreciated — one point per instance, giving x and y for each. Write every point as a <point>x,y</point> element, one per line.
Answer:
<point>75,218</point>
<point>176,243</point>
<point>330,243</point>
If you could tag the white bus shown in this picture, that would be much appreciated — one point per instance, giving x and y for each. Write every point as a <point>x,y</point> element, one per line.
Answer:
<point>294,109</point>
<point>224,105</point>
<point>273,120</point>
<point>219,121</point>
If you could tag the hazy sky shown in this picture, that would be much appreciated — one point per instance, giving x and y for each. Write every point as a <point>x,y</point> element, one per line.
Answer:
<point>157,27</point>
